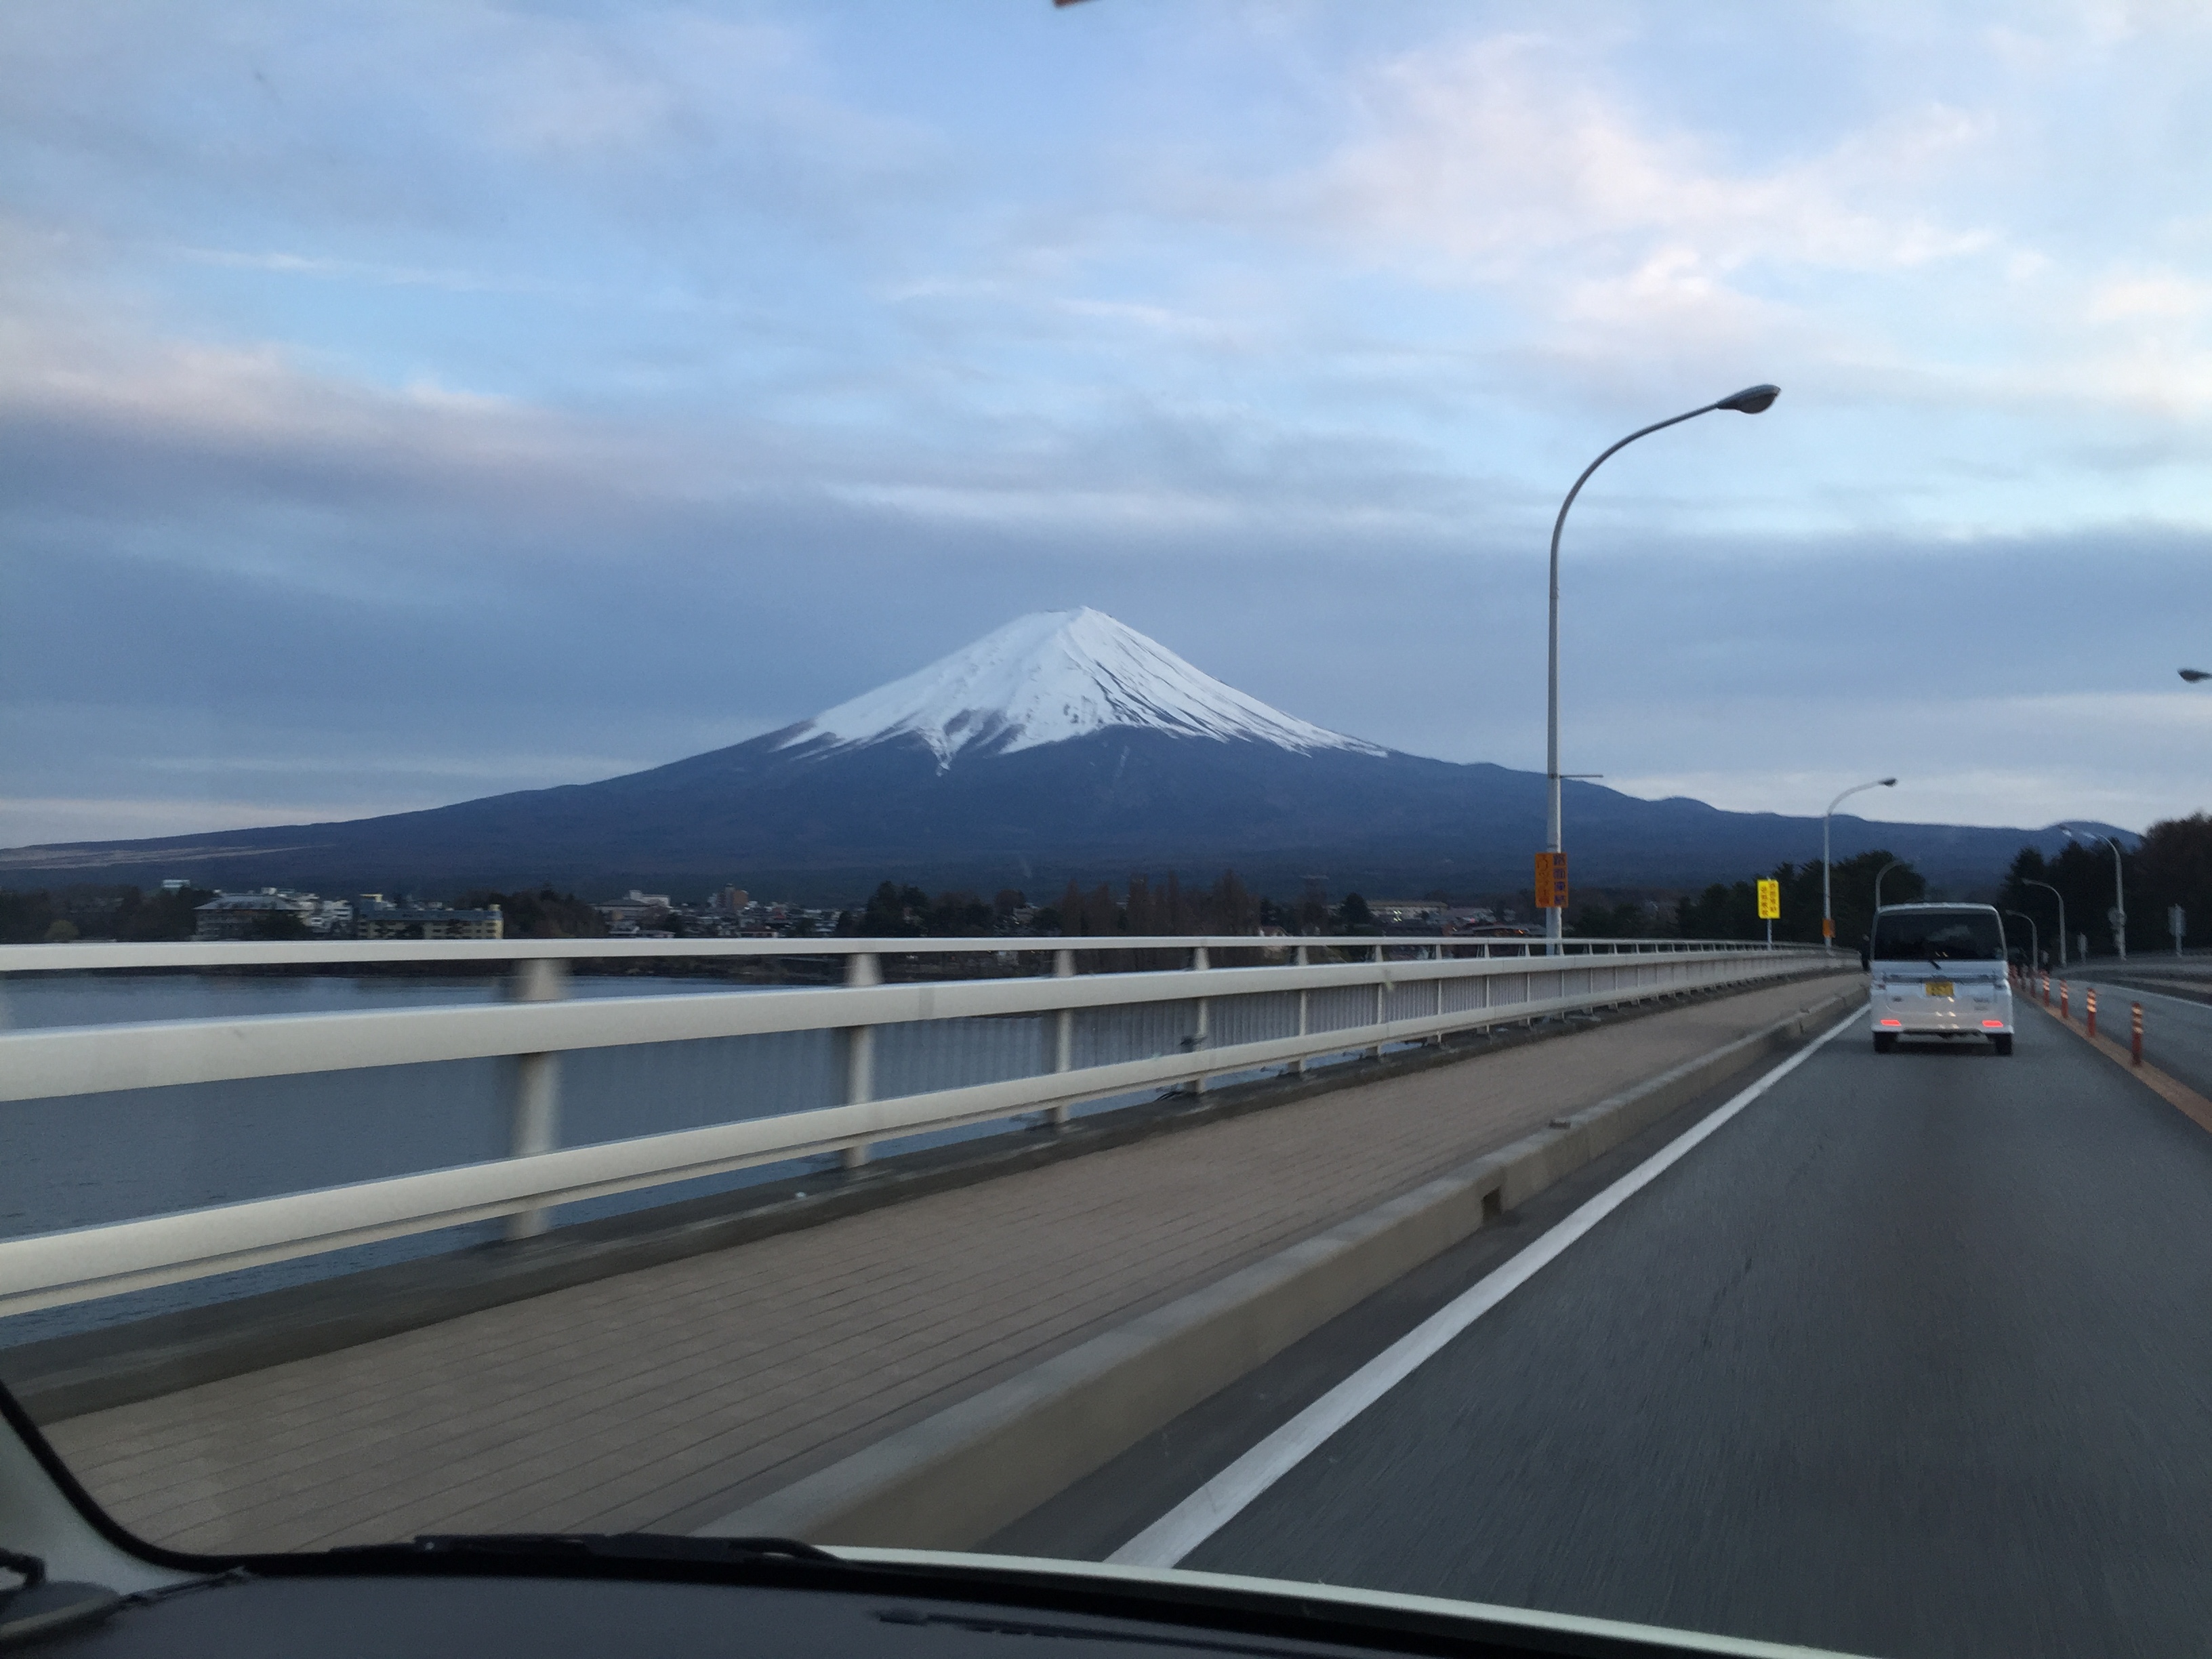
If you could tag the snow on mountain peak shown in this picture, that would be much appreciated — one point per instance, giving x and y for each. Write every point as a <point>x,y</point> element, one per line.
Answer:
<point>1054,675</point>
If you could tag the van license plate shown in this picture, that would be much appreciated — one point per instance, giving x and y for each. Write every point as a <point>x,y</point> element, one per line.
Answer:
<point>1941,988</point>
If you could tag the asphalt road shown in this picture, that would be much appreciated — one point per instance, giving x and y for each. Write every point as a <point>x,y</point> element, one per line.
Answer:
<point>1911,1356</point>
<point>2177,1022</point>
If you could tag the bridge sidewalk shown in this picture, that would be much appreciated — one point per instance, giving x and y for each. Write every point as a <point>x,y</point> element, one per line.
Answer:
<point>661,1398</point>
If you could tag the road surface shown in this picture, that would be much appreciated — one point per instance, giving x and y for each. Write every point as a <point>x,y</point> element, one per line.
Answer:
<point>1910,1357</point>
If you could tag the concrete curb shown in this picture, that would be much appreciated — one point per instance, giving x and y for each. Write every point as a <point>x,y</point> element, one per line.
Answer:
<point>956,1477</point>
<point>59,1377</point>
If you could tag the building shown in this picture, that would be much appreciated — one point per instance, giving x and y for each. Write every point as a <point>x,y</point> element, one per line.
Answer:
<point>268,914</point>
<point>1397,912</point>
<point>627,914</point>
<point>375,919</point>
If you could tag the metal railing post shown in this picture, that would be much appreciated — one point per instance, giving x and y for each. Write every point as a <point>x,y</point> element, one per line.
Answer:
<point>1382,1003</point>
<point>1437,954</point>
<point>1298,1066</point>
<point>1063,1035</point>
<point>1202,1034</point>
<point>861,968</point>
<point>535,1113</point>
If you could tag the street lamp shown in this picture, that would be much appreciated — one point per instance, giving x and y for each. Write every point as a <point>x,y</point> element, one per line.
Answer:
<point>2193,675</point>
<point>2034,949</point>
<point>1751,400</point>
<point>2119,912</point>
<point>1878,875</point>
<point>2061,897</point>
<point>1827,916</point>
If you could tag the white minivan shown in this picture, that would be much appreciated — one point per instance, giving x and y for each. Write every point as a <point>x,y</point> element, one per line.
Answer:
<point>1939,971</point>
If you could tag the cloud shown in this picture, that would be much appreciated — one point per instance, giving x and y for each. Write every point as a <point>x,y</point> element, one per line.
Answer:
<point>421,402</point>
<point>1491,159</point>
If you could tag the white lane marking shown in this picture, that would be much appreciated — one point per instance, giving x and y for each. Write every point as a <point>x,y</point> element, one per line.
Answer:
<point>1209,1509</point>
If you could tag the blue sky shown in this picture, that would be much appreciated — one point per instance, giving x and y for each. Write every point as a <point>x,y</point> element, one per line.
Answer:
<point>406,402</point>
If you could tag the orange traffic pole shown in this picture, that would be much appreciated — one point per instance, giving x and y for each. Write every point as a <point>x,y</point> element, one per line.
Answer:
<point>2089,1002</point>
<point>2064,1012</point>
<point>2135,1033</point>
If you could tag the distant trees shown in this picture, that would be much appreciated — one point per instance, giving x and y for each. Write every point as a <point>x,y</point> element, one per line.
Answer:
<point>98,911</point>
<point>1731,911</point>
<point>894,912</point>
<point>2173,865</point>
<point>1149,904</point>
<point>2176,866</point>
<point>542,915</point>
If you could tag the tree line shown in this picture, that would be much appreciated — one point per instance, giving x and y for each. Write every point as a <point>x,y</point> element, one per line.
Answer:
<point>1730,910</point>
<point>1148,904</point>
<point>98,910</point>
<point>2172,865</point>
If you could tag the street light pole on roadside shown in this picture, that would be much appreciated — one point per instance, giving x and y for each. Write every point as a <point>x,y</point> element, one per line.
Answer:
<point>2061,897</point>
<point>1878,875</point>
<point>1751,400</point>
<point>1827,915</point>
<point>2119,912</point>
<point>2034,950</point>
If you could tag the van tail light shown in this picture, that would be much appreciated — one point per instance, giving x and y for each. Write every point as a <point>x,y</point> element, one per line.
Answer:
<point>1993,1025</point>
<point>1893,1022</point>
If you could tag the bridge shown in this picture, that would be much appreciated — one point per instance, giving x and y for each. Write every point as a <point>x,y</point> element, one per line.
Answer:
<point>1242,1200</point>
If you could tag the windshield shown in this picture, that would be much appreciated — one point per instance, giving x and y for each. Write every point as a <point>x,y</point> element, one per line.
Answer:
<point>1938,936</point>
<point>883,772</point>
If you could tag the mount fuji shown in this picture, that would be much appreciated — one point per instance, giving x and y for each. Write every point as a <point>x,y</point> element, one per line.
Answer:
<point>1062,744</point>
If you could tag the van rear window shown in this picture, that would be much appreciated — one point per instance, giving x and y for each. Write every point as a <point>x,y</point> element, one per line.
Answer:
<point>1938,936</point>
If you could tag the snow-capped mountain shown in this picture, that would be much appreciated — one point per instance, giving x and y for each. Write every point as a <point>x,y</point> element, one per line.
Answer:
<point>1061,745</point>
<point>1052,676</point>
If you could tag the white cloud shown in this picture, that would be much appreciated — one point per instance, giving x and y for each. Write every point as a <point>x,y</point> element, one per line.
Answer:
<point>1495,160</point>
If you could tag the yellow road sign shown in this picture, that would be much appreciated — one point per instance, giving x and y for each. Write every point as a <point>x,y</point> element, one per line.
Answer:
<point>1550,881</point>
<point>1770,900</point>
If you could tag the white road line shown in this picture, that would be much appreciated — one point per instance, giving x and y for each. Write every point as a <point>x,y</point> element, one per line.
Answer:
<point>1209,1509</point>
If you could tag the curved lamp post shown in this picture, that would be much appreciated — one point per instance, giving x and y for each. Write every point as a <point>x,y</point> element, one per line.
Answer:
<point>1878,875</point>
<point>2061,897</point>
<point>1828,916</point>
<point>2119,916</point>
<point>1751,400</point>
<point>2034,950</point>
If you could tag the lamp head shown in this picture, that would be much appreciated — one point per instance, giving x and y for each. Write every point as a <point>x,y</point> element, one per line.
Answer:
<point>1889,783</point>
<point>1751,400</point>
<point>2193,675</point>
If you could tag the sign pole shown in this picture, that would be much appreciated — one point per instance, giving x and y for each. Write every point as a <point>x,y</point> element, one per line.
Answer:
<point>1769,906</point>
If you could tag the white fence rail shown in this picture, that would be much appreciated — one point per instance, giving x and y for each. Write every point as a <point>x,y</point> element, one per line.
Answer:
<point>1196,1024</point>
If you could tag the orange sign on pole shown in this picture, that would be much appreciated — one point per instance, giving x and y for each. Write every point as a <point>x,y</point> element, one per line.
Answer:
<point>1550,881</point>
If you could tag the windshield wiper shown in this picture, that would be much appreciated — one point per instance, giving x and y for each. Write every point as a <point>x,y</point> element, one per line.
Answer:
<point>592,1546</point>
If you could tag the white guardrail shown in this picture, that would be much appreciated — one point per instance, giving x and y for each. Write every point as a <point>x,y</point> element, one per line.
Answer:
<point>1315,998</point>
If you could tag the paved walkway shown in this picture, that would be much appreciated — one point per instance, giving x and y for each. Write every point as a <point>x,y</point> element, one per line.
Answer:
<point>662,1398</point>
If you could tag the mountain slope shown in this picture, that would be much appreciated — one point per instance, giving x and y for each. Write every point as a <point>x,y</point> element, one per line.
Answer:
<point>1062,744</point>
